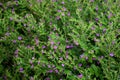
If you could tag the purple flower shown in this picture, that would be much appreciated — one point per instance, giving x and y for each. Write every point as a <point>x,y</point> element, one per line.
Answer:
<point>93,28</point>
<point>19,38</point>
<point>96,19</point>
<point>38,62</point>
<point>76,43</point>
<point>64,8</point>
<point>61,58</point>
<point>80,75</point>
<point>96,8</point>
<point>7,34</point>
<point>104,30</point>
<point>11,18</point>
<point>50,71</point>
<point>43,47</point>
<point>56,71</point>
<point>91,0</point>
<point>63,65</point>
<point>93,58</point>
<point>58,10</point>
<point>113,42</point>
<point>31,78</point>
<point>21,69</point>
<point>51,42</point>
<point>86,58</point>
<point>32,66</point>
<point>36,40</point>
<point>16,53</point>
<point>49,66</point>
<point>68,14</point>
<point>80,65</point>
<point>58,17</point>
<point>111,54</point>
<point>67,46</point>
<point>74,68</point>
<point>14,41</point>
<point>47,78</point>
<point>63,2</point>
<point>1,4</point>
<point>55,47</point>
<point>82,55</point>
<point>110,15</point>
<point>97,34</point>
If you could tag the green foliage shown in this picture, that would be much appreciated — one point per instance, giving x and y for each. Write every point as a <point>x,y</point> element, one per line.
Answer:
<point>60,40</point>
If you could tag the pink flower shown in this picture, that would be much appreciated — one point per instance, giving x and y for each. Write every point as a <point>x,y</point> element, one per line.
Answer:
<point>19,38</point>
<point>63,2</point>
<point>55,47</point>
<point>63,65</point>
<point>111,54</point>
<point>80,75</point>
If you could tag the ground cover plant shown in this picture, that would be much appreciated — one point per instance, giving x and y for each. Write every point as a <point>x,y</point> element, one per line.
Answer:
<point>59,39</point>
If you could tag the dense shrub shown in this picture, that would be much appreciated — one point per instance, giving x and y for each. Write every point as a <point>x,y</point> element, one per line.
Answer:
<point>59,40</point>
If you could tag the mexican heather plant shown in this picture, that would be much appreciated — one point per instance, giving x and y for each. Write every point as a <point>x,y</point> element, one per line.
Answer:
<point>59,39</point>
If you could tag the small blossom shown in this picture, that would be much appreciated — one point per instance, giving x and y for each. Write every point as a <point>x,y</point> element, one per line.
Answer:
<point>36,40</point>
<point>113,42</point>
<point>14,41</point>
<point>32,66</point>
<point>19,38</point>
<point>96,8</point>
<point>80,75</point>
<point>33,58</point>
<point>76,43</point>
<point>74,68</point>
<point>58,10</point>
<point>63,2</point>
<point>58,17</point>
<point>49,66</point>
<point>64,9</point>
<point>55,47</point>
<point>93,58</point>
<point>31,78</point>
<point>82,55</point>
<point>50,71</point>
<point>38,62</point>
<point>100,24</point>
<point>21,69</point>
<point>97,34</point>
<point>86,58</point>
<point>67,46</point>
<point>111,54</point>
<point>61,58</point>
<point>63,14</point>
<point>93,28</point>
<point>7,34</point>
<point>104,30</point>
<point>91,0</point>
<point>63,65</point>
<point>43,47</point>
<point>68,14</point>
<point>80,65</point>
<point>110,15</point>
<point>11,18</point>
<point>51,42</point>
<point>56,71</point>
<point>47,78</point>
<point>96,19</point>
